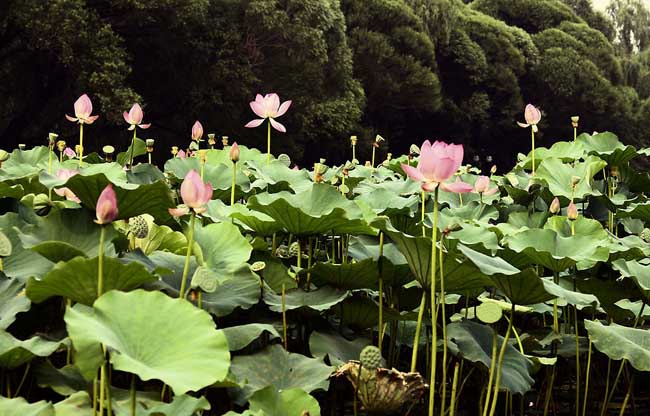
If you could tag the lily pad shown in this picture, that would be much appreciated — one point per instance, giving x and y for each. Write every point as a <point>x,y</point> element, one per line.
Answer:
<point>290,402</point>
<point>620,342</point>
<point>12,301</point>
<point>320,299</point>
<point>242,335</point>
<point>334,346</point>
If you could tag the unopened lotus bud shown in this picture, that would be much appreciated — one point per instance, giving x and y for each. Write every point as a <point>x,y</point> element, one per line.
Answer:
<point>575,180</point>
<point>211,140</point>
<point>645,235</point>
<point>370,358</point>
<point>139,227</point>
<point>224,141</point>
<point>22,146</point>
<point>108,152</point>
<point>149,143</point>
<point>353,140</point>
<point>574,121</point>
<point>51,139</point>
<point>60,145</point>
<point>493,169</point>
<point>572,211</point>
<point>174,150</point>
<point>234,153</point>
<point>554,208</point>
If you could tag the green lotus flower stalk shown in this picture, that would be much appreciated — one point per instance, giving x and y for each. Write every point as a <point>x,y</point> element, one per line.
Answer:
<point>380,325</point>
<point>532,115</point>
<point>587,374</point>
<point>502,352</point>
<point>284,318</point>
<point>60,145</point>
<point>454,385</point>
<point>375,146</point>
<point>203,158</point>
<point>434,317</point>
<point>444,325</point>
<point>493,360</point>
<point>234,157</point>
<point>51,142</point>
<point>132,396</point>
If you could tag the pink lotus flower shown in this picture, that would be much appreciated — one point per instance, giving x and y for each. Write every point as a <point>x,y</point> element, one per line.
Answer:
<point>482,186</point>
<point>71,154</point>
<point>197,131</point>
<point>234,153</point>
<point>66,174</point>
<point>195,195</point>
<point>268,107</point>
<point>134,117</point>
<point>554,208</point>
<point>438,162</point>
<point>532,115</point>
<point>572,211</point>
<point>106,208</point>
<point>82,109</point>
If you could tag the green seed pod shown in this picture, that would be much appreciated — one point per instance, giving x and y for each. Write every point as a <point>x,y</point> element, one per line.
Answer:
<point>138,226</point>
<point>645,235</point>
<point>370,358</point>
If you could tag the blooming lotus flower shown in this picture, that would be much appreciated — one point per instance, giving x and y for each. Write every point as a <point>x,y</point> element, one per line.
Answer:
<point>134,117</point>
<point>195,195</point>
<point>106,208</point>
<point>268,107</point>
<point>438,162</point>
<point>66,174</point>
<point>482,186</point>
<point>69,153</point>
<point>532,115</point>
<point>554,208</point>
<point>82,109</point>
<point>197,131</point>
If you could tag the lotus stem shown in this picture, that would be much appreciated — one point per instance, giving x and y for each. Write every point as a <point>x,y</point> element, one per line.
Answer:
<point>443,304</point>
<point>493,360</point>
<point>381,292</point>
<point>100,261</point>
<point>418,328</point>
<point>22,380</point>
<point>273,245</point>
<point>309,261</point>
<point>532,140</point>
<point>434,342</point>
<point>95,396</point>
<point>133,148</point>
<point>132,395</point>
<point>102,388</point>
<point>232,184</point>
<point>502,352</point>
<point>284,317</point>
<point>584,401</point>
<point>577,361</point>
<point>549,391</point>
<point>149,157</point>
<point>609,372</point>
<point>268,143</point>
<point>188,255</point>
<point>454,384</point>
<point>424,200</point>
<point>81,144</point>
<point>372,163</point>
<point>49,169</point>
<point>516,334</point>
<point>299,259</point>
<point>354,152</point>
<point>627,396</point>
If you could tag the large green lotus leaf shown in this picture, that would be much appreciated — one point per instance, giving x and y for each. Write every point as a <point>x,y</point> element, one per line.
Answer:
<point>518,185</point>
<point>290,402</point>
<point>320,299</point>
<point>144,173</point>
<point>224,249</point>
<point>551,250</point>
<point>147,333</point>
<point>319,210</point>
<point>78,404</point>
<point>395,187</point>
<point>363,312</point>
<point>77,279</point>
<point>241,290</point>
<point>242,335</point>
<point>384,202</point>
<point>11,191</point>
<point>64,381</point>
<point>182,405</point>
<point>473,212</point>
<point>636,308</point>
<point>567,151</point>
<point>22,263</point>
<point>363,247</point>
<point>65,234</point>
<point>488,265</point>
<point>558,176</point>
<point>132,200</point>
<point>640,210</point>
<point>607,146</point>
<point>628,248</point>
<point>162,238</point>
<point>473,342</point>
<point>12,301</point>
<point>278,368</point>
<point>608,293</point>
<point>524,288</point>
<point>23,163</point>
<point>476,235</point>
<point>338,349</point>
<point>14,352</point>
<point>582,225</point>
<point>275,273</point>
<point>350,276</point>
<point>219,175</point>
<point>621,342</point>
<point>139,149</point>
<point>255,221</point>
<point>216,156</point>
<point>18,406</point>
<point>564,291</point>
<point>276,176</point>
<point>639,273</point>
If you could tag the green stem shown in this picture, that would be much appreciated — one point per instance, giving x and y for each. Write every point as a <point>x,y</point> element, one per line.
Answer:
<point>132,148</point>
<point>49,168</point>
<point>22,380</point>
<point>444,327</point>
<point>268,144</point>
<point>309,260</point>
<point>381,292</point>
<point>424,200</point>
<point>609,372</point>
<point>232,184</point>
<point>149,157</point>
<point>584,401</point>
<point>102,388</point>
<point>354,152</point>
<point>100,262</point>
<point>488,391</point>
<point>95,396</point>
<point>284,317</point>
<point>577,362</point>
<point>532,140</point>
<point>372,164</point>
<point>434,342</point>
<point>81,144</point>
<point>627,396</point>
<point>132,395</point>
<point>418,328</point>
<point>188,255</point>
<point>454,385</point>
<point>502,352</point>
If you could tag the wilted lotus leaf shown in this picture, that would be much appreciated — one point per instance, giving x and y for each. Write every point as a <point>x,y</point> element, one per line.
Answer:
<point>383,391</point>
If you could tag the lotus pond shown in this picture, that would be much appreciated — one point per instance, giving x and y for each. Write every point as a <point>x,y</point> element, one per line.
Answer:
<point>233,282</point>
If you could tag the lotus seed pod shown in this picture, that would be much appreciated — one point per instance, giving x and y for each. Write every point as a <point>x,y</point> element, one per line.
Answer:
<point>22,146</point>
<point>139,227</point>
<point>60,145</point>
<point>353,140</point>
<point>370,358</point>
<point>645,235</point>
<point>174,150</point>
<point>258,266</point>
<point>211,140</point>
<point>224,141</point>
<point>51,139</point>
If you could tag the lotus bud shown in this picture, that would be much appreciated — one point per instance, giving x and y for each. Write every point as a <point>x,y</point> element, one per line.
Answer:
<point>574,181</point>
<point>224,141</point>
<point>574,121</point>
<point>234,153</point>
<point>370,358</point>
<point>197,131</point>
<point>51,140</point>
<point>106,208</point>
<point>149,143</point>
<point>108,152</point>
<point>572,211</point>
<point>554,208</point>
<point>60,145</point>
<point>22,146</point>
<point>493,169</point>
<point>211,140</point>
<point>174,151</point>
<point>353,140</point>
